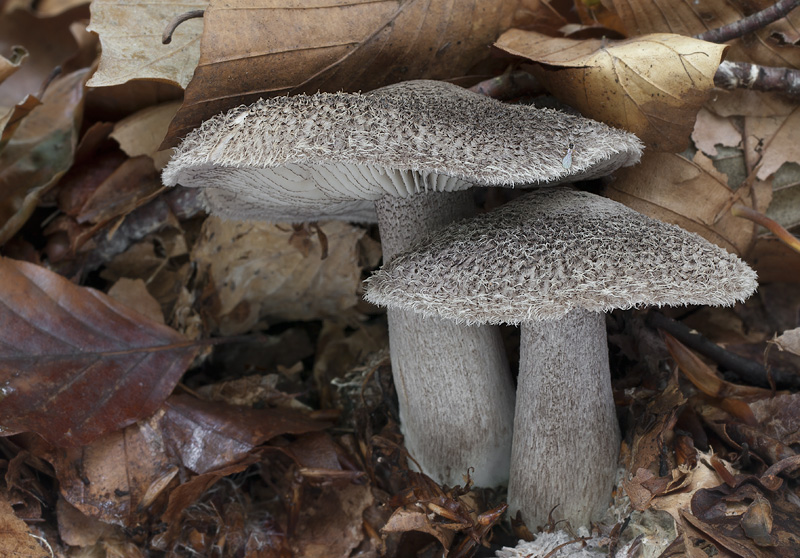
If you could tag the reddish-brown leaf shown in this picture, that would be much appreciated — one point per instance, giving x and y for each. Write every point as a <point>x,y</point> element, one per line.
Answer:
<point>75,364</point>
<point>207,435</point>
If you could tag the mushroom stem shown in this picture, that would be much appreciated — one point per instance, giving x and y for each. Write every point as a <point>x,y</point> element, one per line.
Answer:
<point>566,434</point>
<point>453,384</point>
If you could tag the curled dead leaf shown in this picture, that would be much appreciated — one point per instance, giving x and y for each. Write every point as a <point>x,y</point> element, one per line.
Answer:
<point>652,85</point>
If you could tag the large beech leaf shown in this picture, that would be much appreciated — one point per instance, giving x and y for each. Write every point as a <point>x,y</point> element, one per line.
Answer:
<point>75,364</point>
<point>259,48</point>
<point>771,46</point>
<point>652,86</point>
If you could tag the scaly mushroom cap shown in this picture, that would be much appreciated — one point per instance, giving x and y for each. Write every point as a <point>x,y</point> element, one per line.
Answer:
<point>554,250</point>
<point>330,155</point>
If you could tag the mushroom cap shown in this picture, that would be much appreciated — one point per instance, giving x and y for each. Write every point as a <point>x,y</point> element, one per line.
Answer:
<point>330,155</point>
<point>552,251</point>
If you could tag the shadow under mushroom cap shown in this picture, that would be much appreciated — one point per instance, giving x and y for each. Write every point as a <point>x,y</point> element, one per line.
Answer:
<point>552,251</point>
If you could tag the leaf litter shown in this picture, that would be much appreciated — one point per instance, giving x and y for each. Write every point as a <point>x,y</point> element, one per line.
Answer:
<point>285,440</point>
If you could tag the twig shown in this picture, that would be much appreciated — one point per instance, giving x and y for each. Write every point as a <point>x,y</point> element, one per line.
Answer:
<point>750,23</point>
<point>748,370</point>
<point>772,226</point>
<point>741,75</point>
<point>166,37</point>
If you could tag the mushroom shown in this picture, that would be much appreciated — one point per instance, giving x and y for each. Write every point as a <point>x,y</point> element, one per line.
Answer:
<point>554,261</point>
<point>407,152</point>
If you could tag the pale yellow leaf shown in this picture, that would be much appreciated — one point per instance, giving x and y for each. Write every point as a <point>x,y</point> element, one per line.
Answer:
<point>130,34</point>
<point>652,85</point>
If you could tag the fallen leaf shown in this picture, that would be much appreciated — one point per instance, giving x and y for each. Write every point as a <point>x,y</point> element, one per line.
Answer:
<point>49,44</point>
<point>141,133</point>
<point>15,538</point>
<point>77,529</point>
<point>690,194</point>
<point>256,274</point>
<point>130,34</point>
<point>776,139</point>
<point>757,522</point>
<point>331,524</point>
<point>711,130</point>
<point>652,85</point>
<point>10,65</point>
<point>686,18</point>
<point>76,364</point>
<point>40,151</point>
<point>275,47</point>
<point>108,479</point>
<point>207,435</point>
<point>133,294</point>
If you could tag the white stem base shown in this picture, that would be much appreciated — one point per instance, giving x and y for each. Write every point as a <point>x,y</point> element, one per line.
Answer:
<point>566,434</point>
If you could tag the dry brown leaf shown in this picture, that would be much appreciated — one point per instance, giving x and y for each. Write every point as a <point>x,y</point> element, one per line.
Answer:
<point>332,523</point>
<point>109,478</point>
<point>141,133</point>
<point>130,34</point>
<point>75,364</point>
<point>207,435</point>
<point>255,273</point>
<point>13,117</point>
<point>686,17</point>
<point>774,141</point>
<point>133,293</point>
<point>690,194</point>
<point>711,130</point>
<point>652,85</point>
<point>16,540</point>
<point>77,529</point>
<point>40,151</point>
<point>9,66</point>
<point>49,43</point>
<point>253,49</point>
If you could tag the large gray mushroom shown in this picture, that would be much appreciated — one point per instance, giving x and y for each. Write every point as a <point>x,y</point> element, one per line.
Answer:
<point>391,154</point>
<point>554,261</point>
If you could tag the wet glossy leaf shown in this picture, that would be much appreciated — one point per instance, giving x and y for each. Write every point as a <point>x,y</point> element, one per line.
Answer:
<point>75,364</point>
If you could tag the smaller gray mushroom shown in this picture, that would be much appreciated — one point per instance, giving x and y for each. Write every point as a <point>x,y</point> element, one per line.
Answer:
<point>554,261</point>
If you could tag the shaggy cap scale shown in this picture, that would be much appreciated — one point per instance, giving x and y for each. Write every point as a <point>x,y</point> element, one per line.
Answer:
<point>552,251</point>
<point>332,154</point>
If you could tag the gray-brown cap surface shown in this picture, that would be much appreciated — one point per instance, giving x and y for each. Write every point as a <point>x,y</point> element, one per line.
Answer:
<point>552,251</point>
<point>331,155</point>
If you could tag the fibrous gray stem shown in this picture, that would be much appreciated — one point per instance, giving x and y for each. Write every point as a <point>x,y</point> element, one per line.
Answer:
<point>453,383</point>
<point>566,434</point>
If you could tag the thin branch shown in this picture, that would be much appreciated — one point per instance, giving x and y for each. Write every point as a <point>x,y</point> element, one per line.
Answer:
<point>741,75</point>
<point>749,24</point>
<point>771,225</point>
<point>166,37</point>
<point>746,369</point>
